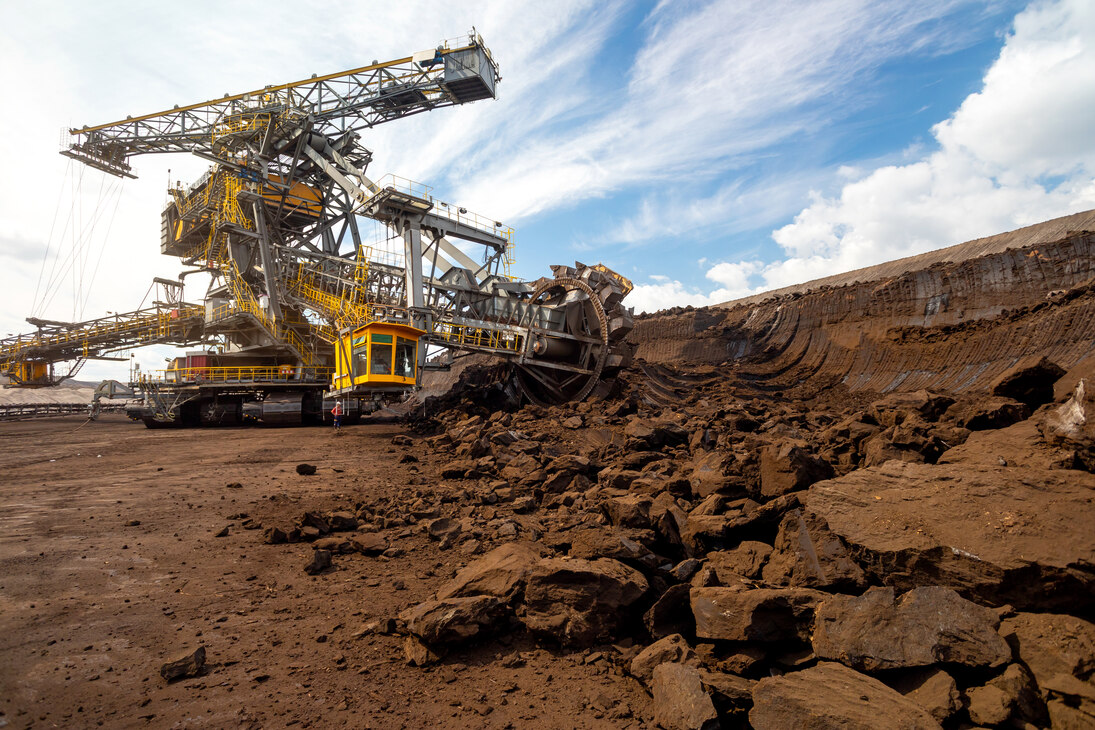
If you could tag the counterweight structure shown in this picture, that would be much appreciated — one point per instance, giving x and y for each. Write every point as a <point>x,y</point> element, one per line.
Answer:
<point>301,309</point>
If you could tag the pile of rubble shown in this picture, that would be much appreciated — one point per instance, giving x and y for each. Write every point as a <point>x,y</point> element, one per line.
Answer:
<point>916,561</point>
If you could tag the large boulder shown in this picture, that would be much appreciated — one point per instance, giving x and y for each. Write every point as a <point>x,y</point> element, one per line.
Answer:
<point>744,561</point>
<point>1003,535</point>
<point>762,614</point>
<point>1029,381</point>
<point>452,620</point>
<point>630,510</point>
<point>807,554</point>
<point>786,467</point>
<point>985,412</point>
<point>680,702</point>
<point>1052,645</point>
<point>672,648</point>
<point>931,688</point>
<point>1071,425</point>
<point>579,602</point>
<point>1010,696</point>
<point>924,626</point>
<point>709,474</point>
<point>895,408</point>
<point>830,695</point>
<point>601,543</point>
<point>500,573</point>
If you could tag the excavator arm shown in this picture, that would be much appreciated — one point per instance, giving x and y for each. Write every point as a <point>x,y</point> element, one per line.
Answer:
<point>334,105</point>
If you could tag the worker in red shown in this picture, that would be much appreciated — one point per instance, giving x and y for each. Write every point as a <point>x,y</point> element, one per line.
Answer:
<point>337,413</point>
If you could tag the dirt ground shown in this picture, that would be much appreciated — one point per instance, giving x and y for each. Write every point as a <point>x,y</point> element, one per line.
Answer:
<point>110,565</point>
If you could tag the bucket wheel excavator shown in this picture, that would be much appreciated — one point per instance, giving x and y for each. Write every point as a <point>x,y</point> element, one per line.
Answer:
<point>300,308</point>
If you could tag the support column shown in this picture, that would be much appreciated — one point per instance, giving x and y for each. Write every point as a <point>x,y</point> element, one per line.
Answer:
<point>267,258</point>
<point>412,283</point>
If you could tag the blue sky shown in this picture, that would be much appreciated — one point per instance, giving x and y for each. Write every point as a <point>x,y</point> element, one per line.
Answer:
<point>707,150</point>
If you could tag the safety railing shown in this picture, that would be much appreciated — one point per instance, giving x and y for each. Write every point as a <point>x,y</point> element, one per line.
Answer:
<point>238,123</point>
<point>480,338</point>
<point>135,327</point>
<point>243,374</point>
<point>455,213</point>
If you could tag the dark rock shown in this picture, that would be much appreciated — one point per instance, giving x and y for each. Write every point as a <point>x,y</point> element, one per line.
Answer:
<point>306,470</point>
<point>223,532</point>
<point>670,614</point>
<point>459,470</point>
<point>992,411</point>
<point>704,533</point>
<point>615,477</point>
<point>895,408</point>
<point>832,696</point>
<point>672,648</point>
<point>184,665</point>
<point>1011,535</point>
<point>341,521</point>
<point>1029,382</point>
<point>807,554</point>
<point>931,688</point>
<point>679,700</point>
<point>729,691</point>
<point>1011,696</point>
<point>442,527</point>
<point>632,510</point>
<point>274,536</point>
<point>453,620</point>
<point>524,505</point>
<point>762,614</point>
<point>334,545</point>
<point>787,467</point>
<point>615,544</point>
<point>1052,645</point>
<point>369,543</point>
<point>645,433</point>
<point>501,573</point>
<point>924,626</point>
<point>317,521</point>
<point>709,474</point>
<point>684,570</point>
<point>574,422</point>
<point>744,561</point>
<point>321,561</point>
<point>418,654</point>
<point>579,602</point>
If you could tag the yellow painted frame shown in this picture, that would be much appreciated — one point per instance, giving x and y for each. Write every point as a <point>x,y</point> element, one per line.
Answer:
<point>344,377</point>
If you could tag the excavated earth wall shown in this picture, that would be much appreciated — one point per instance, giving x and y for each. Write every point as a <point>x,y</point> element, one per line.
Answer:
<point>952,321</point>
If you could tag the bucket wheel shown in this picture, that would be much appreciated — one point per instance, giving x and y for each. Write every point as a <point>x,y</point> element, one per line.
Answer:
<point>574,335</point>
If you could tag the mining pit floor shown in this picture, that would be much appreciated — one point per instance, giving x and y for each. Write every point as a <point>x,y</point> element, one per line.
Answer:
<point>111,566</point>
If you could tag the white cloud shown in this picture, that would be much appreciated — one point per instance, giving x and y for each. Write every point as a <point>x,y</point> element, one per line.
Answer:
<point>1017,152</point>
<point>712,84</point>
<point>994,169</point>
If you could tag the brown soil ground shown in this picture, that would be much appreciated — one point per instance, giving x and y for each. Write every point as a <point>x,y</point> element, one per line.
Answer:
<point>92,604</point>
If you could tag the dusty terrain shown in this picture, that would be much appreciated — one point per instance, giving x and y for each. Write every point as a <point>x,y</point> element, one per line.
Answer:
<point>91,605</point>
<point>865,504</point>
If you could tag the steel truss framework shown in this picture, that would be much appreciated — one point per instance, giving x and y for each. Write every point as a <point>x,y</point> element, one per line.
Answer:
<point>276,222</point>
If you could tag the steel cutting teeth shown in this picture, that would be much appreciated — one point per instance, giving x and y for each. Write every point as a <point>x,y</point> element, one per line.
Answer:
<point>594,315</point>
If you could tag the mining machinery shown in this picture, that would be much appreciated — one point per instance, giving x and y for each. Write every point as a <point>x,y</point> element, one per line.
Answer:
<point>301,308</point>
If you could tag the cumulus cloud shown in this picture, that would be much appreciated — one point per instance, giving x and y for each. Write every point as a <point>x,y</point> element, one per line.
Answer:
<point>1017,152</point>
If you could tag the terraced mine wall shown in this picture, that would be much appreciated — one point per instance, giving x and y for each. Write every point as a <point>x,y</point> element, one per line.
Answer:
<point>952,320</point>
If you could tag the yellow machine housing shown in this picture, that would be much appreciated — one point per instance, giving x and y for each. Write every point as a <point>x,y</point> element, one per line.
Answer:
<point>31,372</point>
<point>376,357</point>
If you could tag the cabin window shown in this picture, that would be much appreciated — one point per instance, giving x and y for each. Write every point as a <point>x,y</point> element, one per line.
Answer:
<point>405,358</point>
<point>380,355</point>
<point>360,364</point>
